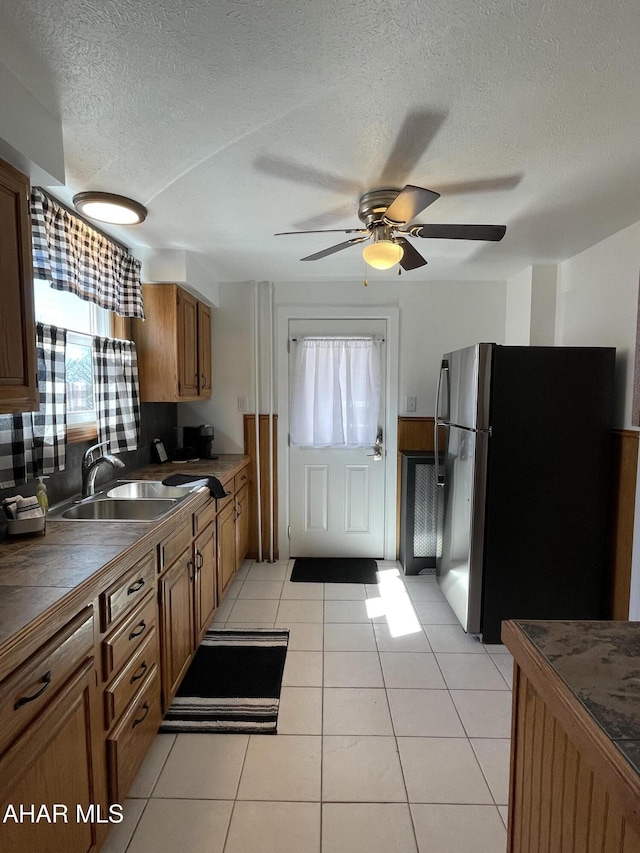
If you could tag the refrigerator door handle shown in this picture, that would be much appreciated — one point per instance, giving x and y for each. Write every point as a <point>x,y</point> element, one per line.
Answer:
<point>436,452</point>
<point>444,368</point>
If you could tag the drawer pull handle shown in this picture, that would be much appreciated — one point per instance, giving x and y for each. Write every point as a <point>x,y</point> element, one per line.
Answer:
<point>46,681</point>
<point>143,627</point>
<point>139,672</point>
<point>135,586</point>
<point>199,560</point>
<point>143,717</point>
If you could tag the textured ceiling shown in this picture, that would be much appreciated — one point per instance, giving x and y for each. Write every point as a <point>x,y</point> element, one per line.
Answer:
<point>234,120</point>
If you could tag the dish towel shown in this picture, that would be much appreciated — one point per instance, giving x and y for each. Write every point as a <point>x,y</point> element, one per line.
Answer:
<point>215,486</point>
<point>19,508</point>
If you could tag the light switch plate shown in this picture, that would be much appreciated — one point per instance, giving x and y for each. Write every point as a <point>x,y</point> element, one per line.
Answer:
<point>410,404</point>
<point>242,404</point>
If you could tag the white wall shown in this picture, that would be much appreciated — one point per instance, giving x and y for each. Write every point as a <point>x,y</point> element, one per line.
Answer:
<point>517,330</point>
<point>531,307</point>
<point>232,370</point>
<point>30,134</point>
<point>435,317</point>
<point>597,305</point>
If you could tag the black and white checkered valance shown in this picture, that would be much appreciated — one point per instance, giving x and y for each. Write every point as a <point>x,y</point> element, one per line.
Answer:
<point>34,443</point>
<point>115,376</point>
<point>72,256</point>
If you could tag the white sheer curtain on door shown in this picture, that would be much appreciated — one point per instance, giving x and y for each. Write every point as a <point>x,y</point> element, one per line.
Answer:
<point>335,397</point>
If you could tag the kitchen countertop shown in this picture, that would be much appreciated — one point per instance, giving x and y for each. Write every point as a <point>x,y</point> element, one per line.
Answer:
<point>599,663</point>
<point>39,573</point>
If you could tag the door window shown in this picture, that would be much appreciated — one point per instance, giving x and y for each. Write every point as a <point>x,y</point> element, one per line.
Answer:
<point>336,391</point>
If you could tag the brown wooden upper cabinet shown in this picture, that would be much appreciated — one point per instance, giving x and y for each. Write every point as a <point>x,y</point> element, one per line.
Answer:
<point>18,367</point>
<point>174,346</point>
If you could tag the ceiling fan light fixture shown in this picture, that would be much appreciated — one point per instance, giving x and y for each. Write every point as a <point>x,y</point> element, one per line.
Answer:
<point>383,254</point>
<point>110,208</point>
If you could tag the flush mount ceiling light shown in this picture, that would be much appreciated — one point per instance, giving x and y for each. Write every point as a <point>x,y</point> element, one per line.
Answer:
<point>107,207</point>
<point>383,254</point>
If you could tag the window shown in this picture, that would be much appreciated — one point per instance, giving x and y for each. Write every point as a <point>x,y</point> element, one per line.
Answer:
<point>335,400</point>
<point>82,320</point>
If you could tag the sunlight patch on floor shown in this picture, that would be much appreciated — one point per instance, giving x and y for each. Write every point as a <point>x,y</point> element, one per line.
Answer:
<point>394,604</point>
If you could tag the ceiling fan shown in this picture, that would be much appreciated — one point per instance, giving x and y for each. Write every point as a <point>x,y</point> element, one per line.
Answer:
<point>387,214</point>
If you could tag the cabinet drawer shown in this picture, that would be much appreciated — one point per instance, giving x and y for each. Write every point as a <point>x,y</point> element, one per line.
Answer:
<point>126,684</point>
<point>204,516</point>
<point>174,545</point>
<point>131,739</point>
<point>118,647</point>
<point>127,591</point>
<point>241,479</point>
<point>36,681</point>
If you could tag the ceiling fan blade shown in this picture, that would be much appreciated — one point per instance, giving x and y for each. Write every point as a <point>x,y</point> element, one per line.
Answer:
<point>408,204</point>
<point>338,248</point>
<point>412,140</point>
<point>301,173</point>
<point>481,185</point>
<point>411,259</point>
<point>493,233</point>
<point>326,231</point>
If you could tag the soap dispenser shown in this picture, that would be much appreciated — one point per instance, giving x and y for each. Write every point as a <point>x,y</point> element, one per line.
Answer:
<point>41,494</point>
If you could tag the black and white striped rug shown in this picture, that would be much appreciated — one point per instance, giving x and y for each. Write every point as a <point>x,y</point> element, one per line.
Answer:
<point>233,684</point>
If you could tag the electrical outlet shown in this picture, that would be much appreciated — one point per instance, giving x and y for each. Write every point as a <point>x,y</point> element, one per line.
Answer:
<point>410,404</point>
<point>242,404</point>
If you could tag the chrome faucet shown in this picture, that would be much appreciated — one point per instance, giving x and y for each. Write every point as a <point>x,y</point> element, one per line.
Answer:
<point>91,466</point>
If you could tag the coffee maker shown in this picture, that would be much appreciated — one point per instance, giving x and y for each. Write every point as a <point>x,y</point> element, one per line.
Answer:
<point>201,438</point>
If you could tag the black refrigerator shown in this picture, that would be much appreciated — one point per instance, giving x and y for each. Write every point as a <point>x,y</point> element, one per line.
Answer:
<point>523,474</point>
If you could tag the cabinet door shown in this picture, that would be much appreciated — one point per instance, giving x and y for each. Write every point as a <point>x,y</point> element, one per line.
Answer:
<point>18,371</point>
<point>53,764</point>
<point>204,350</point>
<point>187,344</point>
<point>226,547</point>
<point>205,560</point>
<point>176,596</point>
<point>242,525</point>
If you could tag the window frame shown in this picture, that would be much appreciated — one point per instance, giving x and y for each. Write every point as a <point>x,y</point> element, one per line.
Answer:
<point>111,324</point>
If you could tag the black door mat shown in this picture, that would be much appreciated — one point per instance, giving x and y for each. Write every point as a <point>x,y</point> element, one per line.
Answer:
<point>334,570</point>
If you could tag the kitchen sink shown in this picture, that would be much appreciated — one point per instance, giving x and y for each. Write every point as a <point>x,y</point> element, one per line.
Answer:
<point>127,500</point>
<point>116,509</point>
<point>135,489</point>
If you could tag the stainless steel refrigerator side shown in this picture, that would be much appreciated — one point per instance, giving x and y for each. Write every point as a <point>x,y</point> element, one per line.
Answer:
<point>459,569</point>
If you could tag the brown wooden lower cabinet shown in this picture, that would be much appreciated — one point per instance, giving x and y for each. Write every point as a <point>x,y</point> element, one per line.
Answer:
<point>206,601</point>
<point>569,790</point>
<point>226,547</point>
<point>177,623</point>
<point>53,764</point>
<point>78,716</point>
<point>131,739</point>
<point>242,525</point>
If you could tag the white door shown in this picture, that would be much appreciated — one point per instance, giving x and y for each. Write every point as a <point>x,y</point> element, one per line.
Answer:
<point>337,494</point>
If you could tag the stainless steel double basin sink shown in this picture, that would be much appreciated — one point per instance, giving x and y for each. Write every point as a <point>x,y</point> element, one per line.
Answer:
<point>129,500</point>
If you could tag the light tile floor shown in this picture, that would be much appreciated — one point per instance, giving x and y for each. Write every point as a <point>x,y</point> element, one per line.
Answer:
<point>386,744</point>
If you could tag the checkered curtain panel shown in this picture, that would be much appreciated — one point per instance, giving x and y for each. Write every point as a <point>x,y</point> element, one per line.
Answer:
<point>72,256</point>
<point>115,376</point>
<point>34,443</point>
